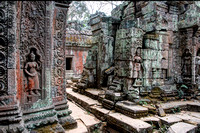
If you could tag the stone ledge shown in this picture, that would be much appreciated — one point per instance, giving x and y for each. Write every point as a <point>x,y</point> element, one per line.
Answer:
<point>127,124</point>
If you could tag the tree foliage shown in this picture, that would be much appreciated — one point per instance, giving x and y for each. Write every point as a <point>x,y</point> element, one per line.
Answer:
<point>78,11</point>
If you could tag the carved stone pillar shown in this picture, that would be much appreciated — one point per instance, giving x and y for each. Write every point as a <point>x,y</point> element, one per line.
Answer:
<point>10,112</point>
<point>26,42</point>
<point>59,64</point>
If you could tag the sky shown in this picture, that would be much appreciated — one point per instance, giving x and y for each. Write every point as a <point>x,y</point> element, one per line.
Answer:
<point>93,6</point>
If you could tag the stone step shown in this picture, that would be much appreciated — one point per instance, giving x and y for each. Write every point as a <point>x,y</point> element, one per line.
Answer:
<point>131,110</point>
<point>189,119</point>
<point>82,100</point>
<point>169,120</point>
<point>85,118</point>
<point>156,122</point>
<point>194,114</point>
<point>100,112</point>
<point>128,124</point>
<point>170,107</point>
<point>81,128</point>
<point>182,127</point>
<point>123,122</point>
<point>93,93</point>
<point>113,119</point>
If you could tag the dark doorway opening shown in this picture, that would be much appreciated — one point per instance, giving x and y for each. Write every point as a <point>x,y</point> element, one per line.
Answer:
<point>68,63</point>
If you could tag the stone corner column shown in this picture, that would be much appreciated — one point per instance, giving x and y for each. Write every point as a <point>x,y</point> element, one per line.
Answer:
<point>59,64</point>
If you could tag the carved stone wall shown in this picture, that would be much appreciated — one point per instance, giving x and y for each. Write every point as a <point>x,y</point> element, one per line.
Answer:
<point>26,39</point>
<point>9,104</point>
<point>78,42</point>
<point>155,45</point>
<point>59,65</point>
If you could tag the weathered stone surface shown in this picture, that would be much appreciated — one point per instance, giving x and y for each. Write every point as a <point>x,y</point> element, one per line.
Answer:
<point>170,119</point>
<point>92,93</point>
<point>161,112</point>
<point>128,124</point>
<point>32,78</point>
<point>100,112</point>
<point>182,127</point>
<point>154,121</point>
<point>84,101</point>
<point>194,114</point>
<point>128,108</point>
<point>171,105</point>
<point>81,128</point>
<point>189,119</point>
<point>86,117</point>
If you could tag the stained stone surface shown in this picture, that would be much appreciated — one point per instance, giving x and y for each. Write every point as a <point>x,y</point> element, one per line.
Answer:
<point>133,125</point>
<point>195,114</point>
<point>130,109</point>
<point>32,80</point>
<point>81,98</point>
<point>145,49</point>
<point>171,119</point>
<point>120,121</point>
<point>81,128</point>
<point>87,118</point>
<point>189,119</point>
<point>182,127</point>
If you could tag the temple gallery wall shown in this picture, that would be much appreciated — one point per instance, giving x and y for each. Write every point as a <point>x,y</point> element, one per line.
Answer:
<point>145,49</point>
<point>32,62</point>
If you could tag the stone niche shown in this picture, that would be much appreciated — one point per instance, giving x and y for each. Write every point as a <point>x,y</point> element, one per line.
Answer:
<point>32,74</point>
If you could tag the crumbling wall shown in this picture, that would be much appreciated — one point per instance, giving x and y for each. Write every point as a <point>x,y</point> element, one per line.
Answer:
<point>78,42</point>
<point>155,45</point>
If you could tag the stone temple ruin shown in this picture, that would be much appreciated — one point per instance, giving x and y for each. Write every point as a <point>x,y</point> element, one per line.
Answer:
<point>142,66</point>
<point>146,49</point>
<point>146,52</point>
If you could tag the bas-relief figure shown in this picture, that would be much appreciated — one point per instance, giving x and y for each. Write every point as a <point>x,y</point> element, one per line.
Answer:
<point>31,68</point>
<point>198,64</point>
<point>137,68</point>
<point>186,63</point>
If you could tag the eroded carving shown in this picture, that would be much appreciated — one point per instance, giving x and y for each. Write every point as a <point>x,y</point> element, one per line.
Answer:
<point>31,69</point>
<point>186,63</point>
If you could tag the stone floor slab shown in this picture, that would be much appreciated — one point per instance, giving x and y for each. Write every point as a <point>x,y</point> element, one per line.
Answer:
<point>128,108</point>
<point>128,124</point>
<point>86,117</point>
<point>194,114</point>
<point>81,128</point>
<point>93,93</point>
<point>189,119</point>
<point>170,119</point>
<point>100,112</point>
<point>172,105</point>
<point>150,118</point>
<point>182,127</point>
<point>83,100</point>
<point>78,113</point>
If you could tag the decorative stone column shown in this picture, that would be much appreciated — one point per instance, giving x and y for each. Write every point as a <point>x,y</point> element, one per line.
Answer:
<point>26,57</point>
<point>10,111</point>
<point>59,65</point>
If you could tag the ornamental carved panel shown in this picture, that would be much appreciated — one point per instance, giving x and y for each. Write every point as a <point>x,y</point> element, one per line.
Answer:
<point>33,51</point>
<point>3,53</point>
<point>59,54</point>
